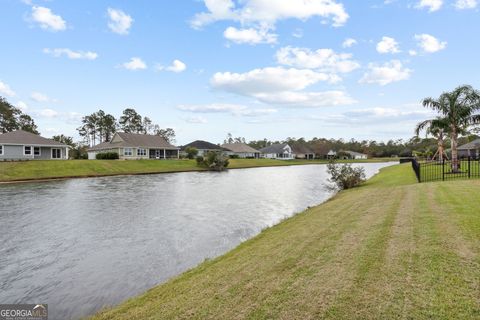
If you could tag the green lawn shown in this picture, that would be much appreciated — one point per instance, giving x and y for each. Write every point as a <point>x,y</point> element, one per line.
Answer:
<point>30,170</point>
<point>391,249</point>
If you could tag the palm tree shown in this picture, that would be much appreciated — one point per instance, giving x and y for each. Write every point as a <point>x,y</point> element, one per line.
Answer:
<point>439,129</point>
<point>459,109</point>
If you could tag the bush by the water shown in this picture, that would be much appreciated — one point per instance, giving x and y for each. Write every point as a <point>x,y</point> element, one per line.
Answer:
<point>107,156</point>
<point>191,152</point>
<point>214,161</point>
<point>344,176</point>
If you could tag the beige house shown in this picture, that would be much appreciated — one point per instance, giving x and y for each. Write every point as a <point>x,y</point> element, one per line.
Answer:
<point>241,150</point>
<point>133,146</point>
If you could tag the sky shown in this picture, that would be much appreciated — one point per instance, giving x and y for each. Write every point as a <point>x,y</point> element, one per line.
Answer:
<point>254,68</point>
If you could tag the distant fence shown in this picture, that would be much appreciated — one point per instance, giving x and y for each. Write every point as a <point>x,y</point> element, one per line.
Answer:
<point>431,170</point>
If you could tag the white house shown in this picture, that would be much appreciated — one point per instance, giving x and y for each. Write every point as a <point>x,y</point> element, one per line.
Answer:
<point>278,151</point>
<point>356,155</point>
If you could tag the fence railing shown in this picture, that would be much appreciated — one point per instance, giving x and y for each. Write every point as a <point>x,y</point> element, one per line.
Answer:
<point>431,170</point>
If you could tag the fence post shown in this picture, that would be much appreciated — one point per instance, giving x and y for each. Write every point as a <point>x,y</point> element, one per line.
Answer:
<point>443,170</point>
<point>469,175</point>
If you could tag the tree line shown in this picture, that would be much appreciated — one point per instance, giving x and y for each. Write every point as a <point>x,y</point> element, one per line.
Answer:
<point>12,118</point>
<point>100,127</point>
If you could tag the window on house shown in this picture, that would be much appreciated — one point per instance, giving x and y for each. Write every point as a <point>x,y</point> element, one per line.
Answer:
<point>27,150</point>
<point>141,152</point>
<point>127,152</point>
<point>36,151</point>
<point>1,150</point>
<point>56,153</point>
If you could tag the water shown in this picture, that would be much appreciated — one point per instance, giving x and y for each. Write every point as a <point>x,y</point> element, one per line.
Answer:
<point>80,245</point>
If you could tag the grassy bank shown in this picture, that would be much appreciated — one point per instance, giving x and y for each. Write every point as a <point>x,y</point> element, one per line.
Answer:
<point>390,249</point>
<point>32,170</point>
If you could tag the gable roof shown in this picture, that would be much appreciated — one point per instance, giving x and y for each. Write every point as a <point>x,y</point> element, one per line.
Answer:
<point>277,148</point>
<point>239,148</point>
<point>475,144</point>
<point>21,137</point>
<point>202,145</point>
<point>300,148</point>
<point>134,140</point>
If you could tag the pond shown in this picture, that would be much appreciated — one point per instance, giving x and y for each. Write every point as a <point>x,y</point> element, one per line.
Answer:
<point>83,244</point>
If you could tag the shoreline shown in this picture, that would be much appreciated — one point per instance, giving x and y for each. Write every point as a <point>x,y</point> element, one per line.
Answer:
<point>281,163</point>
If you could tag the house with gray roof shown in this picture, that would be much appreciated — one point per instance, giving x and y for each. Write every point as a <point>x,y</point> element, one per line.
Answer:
<point>241,150</point>
<point>302,152</point>
<point>471,149</point>
<point>23,145</point>
<point>203,147</point>
<point>133,146</point>
<point>281,151</point>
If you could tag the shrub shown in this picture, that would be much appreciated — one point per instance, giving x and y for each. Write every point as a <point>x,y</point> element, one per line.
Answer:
<point>214,161</point>
<point>107,156</point>
<point>345,176</point>
<point>199,160</point>
<point>234,156</point>
<point>191,152</point>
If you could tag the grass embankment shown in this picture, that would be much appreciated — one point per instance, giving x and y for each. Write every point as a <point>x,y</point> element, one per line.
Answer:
<point>391,249</point>
<point>34,170</point>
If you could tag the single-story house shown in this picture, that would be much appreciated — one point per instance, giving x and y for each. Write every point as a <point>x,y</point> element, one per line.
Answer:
<point>134,146</point>
<point>277,151</point>
<point>23,145</point>
<point>241,150</point>
<point>356,155</point>
<point>302,152</point>
<point>202,146</point>
<point>471,149</point>
<point>332,154</point>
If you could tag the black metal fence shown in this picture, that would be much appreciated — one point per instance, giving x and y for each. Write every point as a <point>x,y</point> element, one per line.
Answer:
<point>431,170</point>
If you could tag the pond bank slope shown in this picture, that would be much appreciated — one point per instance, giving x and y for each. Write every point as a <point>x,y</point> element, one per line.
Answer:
<point>53,169</point>
<point>392,248</point>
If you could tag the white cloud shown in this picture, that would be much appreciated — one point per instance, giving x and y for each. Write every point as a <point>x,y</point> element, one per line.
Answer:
<point>281,86</point>
<point>196,120</point>
<point>325,60</point>
<point>272,79</point>
<point>234,109</point>
<point>48,113</point>
<point>298,33</point>
<point>177,66</point>
<point>348,43</point>
<point>466,4</point>
<point>408,114</point>
<point>412,53</point>
<point>268,12</point>
<point>120,22</point>
<point>430,44</point>
<point>250,36</point>
<point>76,55</point>
<point>22,105</point>
<point>431,5</point>
<point>6,90</point>
<point>47,19</point>
<point>388,45</point>
<point>306,99</point>
<point>134,64</point>
<point>387,73</point>
<point>40,97</point>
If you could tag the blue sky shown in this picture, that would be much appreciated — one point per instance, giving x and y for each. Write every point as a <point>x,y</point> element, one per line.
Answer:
<point>256,68</point>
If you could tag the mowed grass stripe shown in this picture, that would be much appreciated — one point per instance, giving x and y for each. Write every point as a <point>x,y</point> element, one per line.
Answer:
<point>388,250</point>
